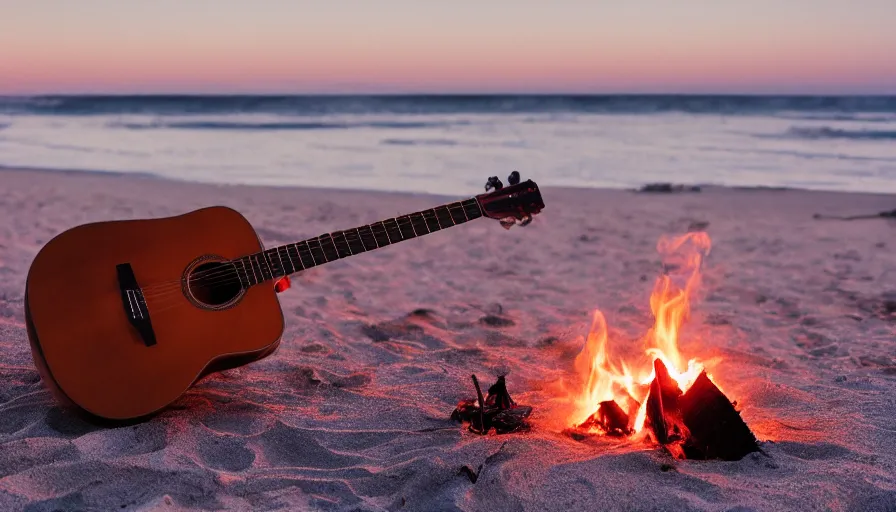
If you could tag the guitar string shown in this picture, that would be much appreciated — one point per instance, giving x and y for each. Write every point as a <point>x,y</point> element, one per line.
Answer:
<point>269,263</point>
<point>355,236</point>
<point>267,256</point>
<point>175,305</point>
<point>234,277</point>
<point>169,305</point>
<point>231,272</point>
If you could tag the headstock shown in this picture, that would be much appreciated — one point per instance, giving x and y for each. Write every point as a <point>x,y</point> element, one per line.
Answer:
<point>513,204</point>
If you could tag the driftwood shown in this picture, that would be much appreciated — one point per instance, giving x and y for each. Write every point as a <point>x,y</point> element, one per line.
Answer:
<point>889,214</point>
<point>699,424</point>
<point>500,411</point>
<point>668,188</point>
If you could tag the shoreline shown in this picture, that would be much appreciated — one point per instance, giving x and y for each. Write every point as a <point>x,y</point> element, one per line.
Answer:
<point>702,186</point>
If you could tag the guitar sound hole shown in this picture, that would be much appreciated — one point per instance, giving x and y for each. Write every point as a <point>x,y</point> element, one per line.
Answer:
<point>215,284</point>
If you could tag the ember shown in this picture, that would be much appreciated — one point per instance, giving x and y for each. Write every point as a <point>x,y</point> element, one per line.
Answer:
<point>680,406</point>
<point>500,411</point>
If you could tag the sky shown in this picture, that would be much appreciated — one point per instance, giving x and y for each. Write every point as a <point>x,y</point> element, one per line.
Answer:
<point>460,46</point>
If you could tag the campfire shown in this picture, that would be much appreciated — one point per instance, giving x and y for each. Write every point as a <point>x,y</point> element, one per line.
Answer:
<point>660,395</point>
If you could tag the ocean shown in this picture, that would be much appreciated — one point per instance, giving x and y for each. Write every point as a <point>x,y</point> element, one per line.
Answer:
<point>452,144</point>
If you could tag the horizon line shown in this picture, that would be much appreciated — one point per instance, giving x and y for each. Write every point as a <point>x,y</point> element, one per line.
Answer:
<point>454,94</point>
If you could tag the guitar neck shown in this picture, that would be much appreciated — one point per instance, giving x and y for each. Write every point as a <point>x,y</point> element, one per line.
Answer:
<point>291,258</point>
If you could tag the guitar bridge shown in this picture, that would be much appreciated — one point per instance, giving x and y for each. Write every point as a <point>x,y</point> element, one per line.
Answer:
<point>135,303</point>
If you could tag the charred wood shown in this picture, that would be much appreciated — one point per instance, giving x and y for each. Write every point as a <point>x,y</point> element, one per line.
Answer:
<point>496,410</point>
<point>663,411</point>
<point>610,418</point>
<point>716,428</point>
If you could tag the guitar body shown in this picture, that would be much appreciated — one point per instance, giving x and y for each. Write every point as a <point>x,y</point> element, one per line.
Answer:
<point>84,343</point>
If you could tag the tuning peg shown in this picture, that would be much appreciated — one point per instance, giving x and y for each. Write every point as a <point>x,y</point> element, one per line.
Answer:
<point>507,222</point>
<point>493,183</point>
<point>514,178</point>
<point>525,221</point>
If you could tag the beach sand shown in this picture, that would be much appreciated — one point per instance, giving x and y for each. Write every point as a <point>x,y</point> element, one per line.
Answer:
<point>352,412</point>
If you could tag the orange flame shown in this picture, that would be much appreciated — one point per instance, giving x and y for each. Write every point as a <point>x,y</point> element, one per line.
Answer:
<point>628,384</point>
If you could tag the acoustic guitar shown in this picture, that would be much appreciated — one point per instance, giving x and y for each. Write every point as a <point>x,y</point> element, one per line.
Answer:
<point>124,316</point>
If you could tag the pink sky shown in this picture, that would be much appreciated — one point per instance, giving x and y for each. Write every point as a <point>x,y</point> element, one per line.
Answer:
<point>230,46</point>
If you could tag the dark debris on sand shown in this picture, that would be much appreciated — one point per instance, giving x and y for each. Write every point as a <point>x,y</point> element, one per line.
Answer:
<point>668,188</point>
<point>500,411</point>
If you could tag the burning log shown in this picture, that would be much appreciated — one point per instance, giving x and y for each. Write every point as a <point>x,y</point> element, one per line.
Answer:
<point>499,412</point>
<point>663,411</point>
<point>610,418</point>
<point>699,424</point>
<point>717,430</point>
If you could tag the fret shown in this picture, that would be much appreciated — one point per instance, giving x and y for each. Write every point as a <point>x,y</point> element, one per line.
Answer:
<point>329,247</point>
<point>379,231</point>
<point>305,254</point>
<point>288,259</point>
<point>355,242</point>
<point>444,217</point>
<point>244,278</point>
<point>282,267</point>
<point>463,210</point>
<point>341,243</point>
<point>256,266</point>
<point>405,226</point>
<point>266,271</point>
<point>260,267</point>
<point>255,271</point>
<point>419,224</point>
<point>291,258</point>
<point>370,239</point>
<point>472,209</point>
<point>255,279</point>
<point>458,216</point>
<point>432,222</point>
<point>266,258</point>
<point>249,279</point>
<point>285,263</point>
<point>392,230</point>
<point>274,263</point>
<point>296,260</point>
<point>317,251</point>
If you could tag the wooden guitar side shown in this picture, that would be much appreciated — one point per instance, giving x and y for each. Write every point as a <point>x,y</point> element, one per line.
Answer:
<point>82,341</point>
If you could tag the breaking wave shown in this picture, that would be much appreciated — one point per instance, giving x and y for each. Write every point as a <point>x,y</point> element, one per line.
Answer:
<point>278,125</point>
<point>826,132</point>
<point>863,117</point>
<point>419,142</point>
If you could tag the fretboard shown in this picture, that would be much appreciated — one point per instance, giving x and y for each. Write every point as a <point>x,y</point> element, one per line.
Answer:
<point>288,259</point>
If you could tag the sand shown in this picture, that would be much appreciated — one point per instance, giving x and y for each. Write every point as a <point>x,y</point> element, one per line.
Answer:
<point>351,413</point>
